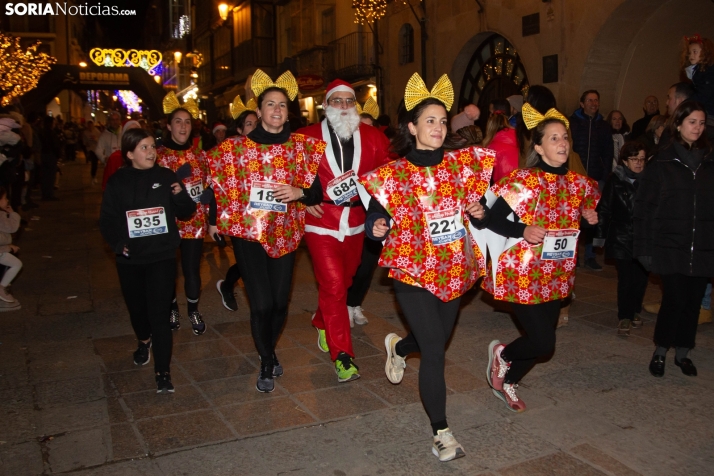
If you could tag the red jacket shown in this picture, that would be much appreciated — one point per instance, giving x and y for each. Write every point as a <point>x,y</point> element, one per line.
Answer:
<point>505,145</point>
<point>114,163</point>
<point>371,151</point>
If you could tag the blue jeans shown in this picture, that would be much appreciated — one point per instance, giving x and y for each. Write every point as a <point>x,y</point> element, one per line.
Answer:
<point>707,301</point>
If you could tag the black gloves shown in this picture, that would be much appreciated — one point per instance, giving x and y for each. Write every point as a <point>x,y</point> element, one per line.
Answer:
<point>184,171</point>
<point>206,196</point>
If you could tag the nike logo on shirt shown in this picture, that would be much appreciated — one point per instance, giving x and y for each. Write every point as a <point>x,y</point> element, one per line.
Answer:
<point>156,185</point>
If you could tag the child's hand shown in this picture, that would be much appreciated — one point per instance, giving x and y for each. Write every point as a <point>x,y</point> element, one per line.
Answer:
<point>14,248</point>
<point>175,188</point>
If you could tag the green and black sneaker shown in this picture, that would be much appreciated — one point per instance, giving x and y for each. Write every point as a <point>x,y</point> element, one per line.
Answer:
<point>345,368</point>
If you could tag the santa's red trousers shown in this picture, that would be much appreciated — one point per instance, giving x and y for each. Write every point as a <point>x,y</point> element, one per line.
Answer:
<point>334,264</point>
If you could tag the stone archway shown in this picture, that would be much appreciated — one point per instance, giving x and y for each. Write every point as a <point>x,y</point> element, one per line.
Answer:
<point>62,77</point>
<point>636,51</point>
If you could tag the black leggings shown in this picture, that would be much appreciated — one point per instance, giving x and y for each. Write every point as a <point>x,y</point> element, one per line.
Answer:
<point>191,251</point>
<point>232,276</point>
<point>538,322</point>
<point>631,286</point>
<point>147,290</point>
<point>267,282</point>
<point>431,322</point>
<point>363,277</point>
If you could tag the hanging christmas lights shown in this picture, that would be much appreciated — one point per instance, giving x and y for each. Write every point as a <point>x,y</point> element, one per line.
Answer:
<point>130,100</point>
<point>20,68</point>
<point>367,11</point>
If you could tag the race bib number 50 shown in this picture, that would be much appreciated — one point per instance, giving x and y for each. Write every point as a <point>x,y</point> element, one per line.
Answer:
<point>445,226</point>
<point>146,222</point>
<point>559,244</point>
<point>343,188</point>
<point>262,197</point>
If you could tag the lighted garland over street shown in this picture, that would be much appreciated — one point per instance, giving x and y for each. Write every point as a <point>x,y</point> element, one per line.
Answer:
<point>20,69</point>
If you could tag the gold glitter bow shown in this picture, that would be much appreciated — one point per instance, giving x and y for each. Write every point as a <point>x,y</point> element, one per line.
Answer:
<point>370,107</point>
<point>171,103</point>
<point>532,118</point>
<point>416,92</point>
<point>261,81</point>
<point>237,107</point>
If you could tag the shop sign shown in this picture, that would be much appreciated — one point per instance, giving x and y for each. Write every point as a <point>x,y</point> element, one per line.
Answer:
<point>310,82</point>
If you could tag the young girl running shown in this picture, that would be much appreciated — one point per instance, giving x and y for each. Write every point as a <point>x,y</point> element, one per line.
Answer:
<point>535,219</point>
<point>422,203</point>
<point>176,151</point>
<point>138,220</point>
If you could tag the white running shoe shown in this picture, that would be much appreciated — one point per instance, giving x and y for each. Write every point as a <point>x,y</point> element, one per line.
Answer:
<point>446,447</point>
<point>351,315</point>
<point>395,365</point>
<point>357,315</point>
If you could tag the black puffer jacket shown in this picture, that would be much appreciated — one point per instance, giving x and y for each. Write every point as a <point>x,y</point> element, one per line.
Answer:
<point>615,215</point>
<point>674,213</point>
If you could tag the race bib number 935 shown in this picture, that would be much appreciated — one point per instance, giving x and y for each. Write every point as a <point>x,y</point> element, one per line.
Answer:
<point>146,222</point>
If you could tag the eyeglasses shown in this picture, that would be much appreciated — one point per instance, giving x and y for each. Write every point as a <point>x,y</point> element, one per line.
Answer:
<point>636,160</point>
<point>339,102</point>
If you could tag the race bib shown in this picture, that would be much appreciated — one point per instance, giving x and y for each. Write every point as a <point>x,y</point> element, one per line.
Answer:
<point>262,197</point>
<point>445,226</point>
<point>559,244</point>
<point>343,188</point>
<point>195,189</point>
<point>146,222</point>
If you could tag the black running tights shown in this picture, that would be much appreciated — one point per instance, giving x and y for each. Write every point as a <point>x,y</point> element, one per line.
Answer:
<point>191,251</point>
<point>147,290</point>
<point>267,282</point>
<point>538,322</point>
<point>431,322</point>
<point>363,277</point>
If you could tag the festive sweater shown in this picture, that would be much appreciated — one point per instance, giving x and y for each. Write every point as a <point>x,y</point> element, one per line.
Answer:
<point>371,150</point>
<point>429,244</point>
<point>242,175</point>
<point>522,273</point>
<point>196,226</point>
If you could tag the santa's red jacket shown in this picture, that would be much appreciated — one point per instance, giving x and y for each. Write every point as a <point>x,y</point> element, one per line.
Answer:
<point>371,150</point>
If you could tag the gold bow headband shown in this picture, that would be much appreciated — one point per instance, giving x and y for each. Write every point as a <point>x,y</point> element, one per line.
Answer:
<point>171,103</point>
<point>416,92</point>
<point>370,107</point>
<point>532,118</point>
<point>261,81</point>
<point>237,107</point>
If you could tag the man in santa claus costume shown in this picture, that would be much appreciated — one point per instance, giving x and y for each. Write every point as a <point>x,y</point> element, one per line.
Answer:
<point>334,230</point>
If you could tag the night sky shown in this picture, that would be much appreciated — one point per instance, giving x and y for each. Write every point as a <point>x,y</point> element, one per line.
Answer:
<point>120,31</point>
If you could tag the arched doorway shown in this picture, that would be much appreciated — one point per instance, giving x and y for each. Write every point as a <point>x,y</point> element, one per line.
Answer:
<point>494,71</point>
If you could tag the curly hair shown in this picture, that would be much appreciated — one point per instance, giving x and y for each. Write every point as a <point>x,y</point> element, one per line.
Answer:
<point>706,59</point>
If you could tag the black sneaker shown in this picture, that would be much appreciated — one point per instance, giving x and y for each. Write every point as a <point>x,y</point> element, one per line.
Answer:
<point>142,354</point>
<point>163,383</point>
<point>590,263</point>
<point>199,327</point>
<point>277,368</point>
<point>174,319</point>
<point>227,296</point>
<point>265,383</point>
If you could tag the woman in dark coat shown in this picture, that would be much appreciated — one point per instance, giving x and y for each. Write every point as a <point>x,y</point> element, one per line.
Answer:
<point>674,226</point>
<point>615,227</point>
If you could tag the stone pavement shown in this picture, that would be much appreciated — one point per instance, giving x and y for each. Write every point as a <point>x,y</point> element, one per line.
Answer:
<point>72,401</point>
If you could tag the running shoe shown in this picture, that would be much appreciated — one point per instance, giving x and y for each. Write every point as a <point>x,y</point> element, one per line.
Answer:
<point>345,368</point>
<point>623,327</point>
<point>199,327</point>
<point>445,446</point>
<point>5,295</point>
<point>497,367</point>
<point>174,319</point>
<point>163,383</point>
<point>142,354</point>
<point>395,365</point>
<point>228,297</point>
<point>265,383</point>
<point>277,368</point>
<point>637,321</point>
<point>509,397</point>
<point>357,315</point>
<point>322,339</point>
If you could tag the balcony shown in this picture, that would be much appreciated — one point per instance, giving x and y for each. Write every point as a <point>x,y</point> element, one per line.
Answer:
<point>253,53</point>
<point>351,57</point>
<point>312,61</point>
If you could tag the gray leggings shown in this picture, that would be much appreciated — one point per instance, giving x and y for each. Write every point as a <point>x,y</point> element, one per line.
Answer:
<point>14,266</point>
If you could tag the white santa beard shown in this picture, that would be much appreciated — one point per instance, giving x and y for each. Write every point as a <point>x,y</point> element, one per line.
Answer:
<point>344,126</point>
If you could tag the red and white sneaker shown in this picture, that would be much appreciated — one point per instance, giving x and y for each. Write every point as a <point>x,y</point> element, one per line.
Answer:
<point>497,367</point>
<point>508,395</point>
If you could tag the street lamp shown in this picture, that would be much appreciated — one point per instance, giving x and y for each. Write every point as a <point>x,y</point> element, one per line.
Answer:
<point>223,11</point>
<point>177,56</point>
<point>157,78</point>
<point>82,64</point>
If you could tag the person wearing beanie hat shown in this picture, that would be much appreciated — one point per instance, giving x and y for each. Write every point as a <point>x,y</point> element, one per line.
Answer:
<point>334,230</point>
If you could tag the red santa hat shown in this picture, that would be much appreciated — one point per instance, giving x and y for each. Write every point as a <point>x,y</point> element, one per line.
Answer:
<point>336,86</point>
<point>218,126</point>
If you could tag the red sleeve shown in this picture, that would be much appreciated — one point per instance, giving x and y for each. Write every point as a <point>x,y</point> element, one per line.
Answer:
<point>114,163</point>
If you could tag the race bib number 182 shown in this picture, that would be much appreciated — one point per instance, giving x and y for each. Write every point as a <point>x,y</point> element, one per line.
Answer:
<point>262,197</point>
<point>559,244</point>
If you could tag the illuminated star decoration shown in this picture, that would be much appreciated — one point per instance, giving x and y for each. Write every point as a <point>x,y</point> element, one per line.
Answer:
<point>20,69</point>
<point>129,100</point>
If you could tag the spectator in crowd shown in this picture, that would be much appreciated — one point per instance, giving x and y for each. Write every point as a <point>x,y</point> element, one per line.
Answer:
<point>501,138</point>
<point>50,155</point>
<point>698,66</point>
<point>677,94</point>
<point>651,109</point>
<point>9,223</point>
<point>109,140</point>
<point>116,160</point>
<point>90,139</point>
<point>651,137</point>
<point>516,102</point>
<point>463,125</point>
<point>592,140</point>
<point>70,141</point>
<point>620,132</point>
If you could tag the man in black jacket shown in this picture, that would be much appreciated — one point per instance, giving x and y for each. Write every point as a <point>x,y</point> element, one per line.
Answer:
<point>651,109</point>
<point>592,140</point>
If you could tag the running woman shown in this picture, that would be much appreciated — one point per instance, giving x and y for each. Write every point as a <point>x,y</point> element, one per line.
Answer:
<point>138,220</point>
<point>534,255</point>
<point>176,151</point>
<point>421,206</point>
<point>262,183</point>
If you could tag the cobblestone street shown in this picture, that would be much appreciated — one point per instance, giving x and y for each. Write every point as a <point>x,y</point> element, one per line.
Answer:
<point>72,401</point>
